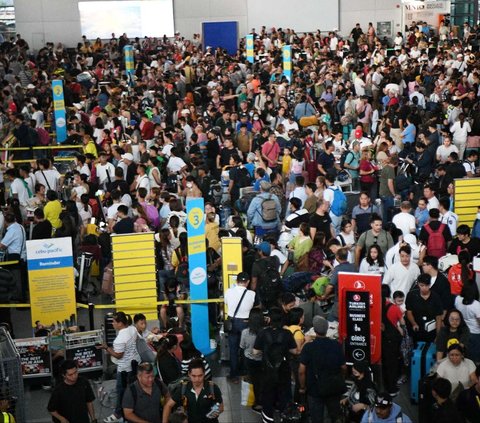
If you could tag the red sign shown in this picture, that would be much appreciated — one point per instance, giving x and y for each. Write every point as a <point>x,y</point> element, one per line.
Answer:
<point>362,283</point>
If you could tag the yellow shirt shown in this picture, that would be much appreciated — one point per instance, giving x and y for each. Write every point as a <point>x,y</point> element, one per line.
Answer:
<point>286,165</point>
<point>297,332</point>
<point>52,212</point>
<point>90,148</point>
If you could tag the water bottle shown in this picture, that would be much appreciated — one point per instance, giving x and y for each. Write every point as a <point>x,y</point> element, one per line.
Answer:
<point>213,411</point>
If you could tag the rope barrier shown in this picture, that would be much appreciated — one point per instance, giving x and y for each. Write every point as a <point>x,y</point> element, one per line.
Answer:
<point>129,306</point>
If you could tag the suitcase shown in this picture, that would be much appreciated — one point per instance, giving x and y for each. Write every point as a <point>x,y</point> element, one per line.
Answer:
<point>423,358</point>
<point>425,398</point>
<point>224,348</point>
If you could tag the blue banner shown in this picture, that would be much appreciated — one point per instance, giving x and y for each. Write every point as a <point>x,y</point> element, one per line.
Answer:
<point>59,110</point>
<point>129,64</point>
<point>250,48</point>
<point>287,62</point>
<point>197,267</point>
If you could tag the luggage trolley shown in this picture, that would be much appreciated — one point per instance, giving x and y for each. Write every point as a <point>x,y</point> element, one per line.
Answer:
<point>82,348</point>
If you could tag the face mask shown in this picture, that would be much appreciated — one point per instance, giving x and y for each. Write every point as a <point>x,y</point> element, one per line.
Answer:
<point>189,185</point>
<point>255,118</point>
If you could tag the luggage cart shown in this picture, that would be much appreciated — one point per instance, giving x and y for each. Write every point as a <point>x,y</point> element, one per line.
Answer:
<point>11,380</point>
<point>82,348</point>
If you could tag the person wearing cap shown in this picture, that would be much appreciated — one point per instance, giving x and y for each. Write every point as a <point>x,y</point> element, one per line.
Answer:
<point>262,263</point>
<point>255,211</point>
<point>424,311</point>
<point>321,362</point>
<point>239,301</point>
<point>385,411</point>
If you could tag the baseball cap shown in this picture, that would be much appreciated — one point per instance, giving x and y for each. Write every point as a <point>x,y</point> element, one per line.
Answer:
<point>320,325</point>
<point>358,133</point>
<point>383,400</point>
<point>97,109</point>
<point>133,122</point>
<point>243,277</point>
<point>264,247</point>
<point>127,156</point>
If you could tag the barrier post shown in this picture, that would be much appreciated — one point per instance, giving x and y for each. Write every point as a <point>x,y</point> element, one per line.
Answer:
<point>91,318</point>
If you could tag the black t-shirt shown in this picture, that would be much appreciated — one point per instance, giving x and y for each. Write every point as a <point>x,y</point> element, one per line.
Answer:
<point>124,226</point>
<point>472,246</point>
<point>42,230</point>
<point>213,149</point>
<point>322,224</point>
<point>326,160</point>
<point>456,170</point>
<point>425,311</point>
<point>225,155</point>
<point>70,401</point>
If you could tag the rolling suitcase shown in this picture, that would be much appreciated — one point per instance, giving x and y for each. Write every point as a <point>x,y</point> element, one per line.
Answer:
<point>224,349</point>
<point>423,358</point>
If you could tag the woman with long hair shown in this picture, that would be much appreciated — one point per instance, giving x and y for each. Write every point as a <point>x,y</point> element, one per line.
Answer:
<point>301,246</point>
<point>256,322</point>
<point>168,366</point>
<point>469,306</point>
<point>84,209</point>
<point>373,262</point>
<point>316,255</point>
<point>142,221</point>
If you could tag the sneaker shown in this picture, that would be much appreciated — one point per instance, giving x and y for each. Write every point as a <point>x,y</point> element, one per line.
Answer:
<point>112,419</point>
<point>257,409</point>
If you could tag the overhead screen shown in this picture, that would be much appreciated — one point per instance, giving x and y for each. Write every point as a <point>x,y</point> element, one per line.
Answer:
<point>301,15</point>
<point>136,18</point>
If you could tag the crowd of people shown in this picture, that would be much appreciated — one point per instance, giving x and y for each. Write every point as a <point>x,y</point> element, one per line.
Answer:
<point>395,121</point>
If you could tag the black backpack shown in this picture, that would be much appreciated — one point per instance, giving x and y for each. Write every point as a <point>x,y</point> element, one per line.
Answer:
<point>274,355</point>
<point>269,281</point>
<point>244,179</point>
<point>182,270</point>
<point>343,158</point>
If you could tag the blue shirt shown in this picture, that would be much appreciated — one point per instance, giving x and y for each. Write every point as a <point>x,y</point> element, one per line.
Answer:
<point>409,134</point>
<point>256,185</point>
<point>14,240</point>
<point>254,212</point>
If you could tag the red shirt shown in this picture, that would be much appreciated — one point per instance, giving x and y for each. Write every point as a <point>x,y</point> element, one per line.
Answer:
<point>394,314</point>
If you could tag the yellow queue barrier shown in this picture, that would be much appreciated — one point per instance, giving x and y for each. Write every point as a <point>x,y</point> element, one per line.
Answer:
<point>466,200</point>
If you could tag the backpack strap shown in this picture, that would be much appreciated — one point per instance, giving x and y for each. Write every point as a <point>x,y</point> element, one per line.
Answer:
<point>428,229</point>
<point>399,417</point>
<point>342,240</point>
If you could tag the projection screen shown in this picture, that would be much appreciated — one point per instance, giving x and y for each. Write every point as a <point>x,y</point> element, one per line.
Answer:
<point>136,18</point>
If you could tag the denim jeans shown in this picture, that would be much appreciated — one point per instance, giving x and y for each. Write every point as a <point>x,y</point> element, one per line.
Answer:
<point>336,222</point>
<point>234,344</point>
<point>121,385</point>
<point>387,204</point>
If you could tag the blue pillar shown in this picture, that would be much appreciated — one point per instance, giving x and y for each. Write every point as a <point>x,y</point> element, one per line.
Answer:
<point>197,267</point>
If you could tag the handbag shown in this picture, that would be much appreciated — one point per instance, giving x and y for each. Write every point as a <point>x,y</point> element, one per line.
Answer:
<point>228,324</point>
<point>144,351</point>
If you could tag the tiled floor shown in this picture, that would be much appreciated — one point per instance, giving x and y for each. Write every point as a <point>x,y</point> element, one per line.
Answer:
<point>36,399</point>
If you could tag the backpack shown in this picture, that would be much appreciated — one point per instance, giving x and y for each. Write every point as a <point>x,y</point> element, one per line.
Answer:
<point>269,209</point>
<point>160,386</point>
<point>269,281</point>
<point>273,355</point>
<point>244,178</point>
<point>182,270</point>
<point>436,244</point>
<point>339,203</point>
<point>320,285</point>
<point>343,158</point>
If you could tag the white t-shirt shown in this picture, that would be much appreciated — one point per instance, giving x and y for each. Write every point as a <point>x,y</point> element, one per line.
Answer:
<point>142,182</point>
<point>175,164</point>
<point>443,152</point>
<point>471,314</point>
<point>50,180</point>
<point>299,192</point>
<point>19,188</point>
<point>232,298</point>
<point>405,222</point>
<point>282,258</point>
<point>126,342</point>
<point>102,172</point>
<point>399,278</point>
<point>456,374</point>
<point>112,211</point>
<point>433,203</point>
